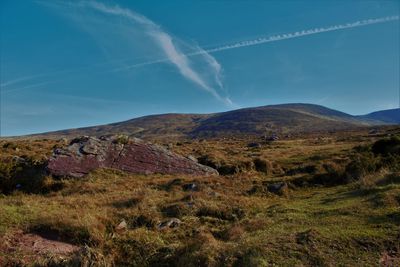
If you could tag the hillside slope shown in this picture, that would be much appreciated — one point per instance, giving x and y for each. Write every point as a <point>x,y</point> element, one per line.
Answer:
<point>287,118</point>
<point>391,116</point>
<point>283,119</point>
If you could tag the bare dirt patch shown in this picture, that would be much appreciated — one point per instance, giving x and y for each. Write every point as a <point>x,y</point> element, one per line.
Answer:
<point>34,246</point>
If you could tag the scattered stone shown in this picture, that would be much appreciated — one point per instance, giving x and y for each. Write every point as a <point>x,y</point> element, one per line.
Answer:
<point>254,145</point>
<point>170,223</point>
<point>122,226</point>
<point>278,188</point>
<point>373,131</point>
<point>19,160</point>
<point>272,138</point>
<point>85,154</point>
<point>190,187</point>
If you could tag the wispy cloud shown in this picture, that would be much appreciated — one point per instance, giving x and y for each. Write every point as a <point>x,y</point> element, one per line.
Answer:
<point>170,48</point>
<point>187,63</point>
<point>40,84</point>
<point>130,22</point>
<point>262,40</point>
<point>19,80</point>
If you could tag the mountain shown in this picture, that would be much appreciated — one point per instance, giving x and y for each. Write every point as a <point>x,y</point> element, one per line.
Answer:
<point>391,116</point>
<point>281,119</point>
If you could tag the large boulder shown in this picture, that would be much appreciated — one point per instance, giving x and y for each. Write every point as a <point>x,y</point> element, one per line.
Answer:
<point>85,154</point>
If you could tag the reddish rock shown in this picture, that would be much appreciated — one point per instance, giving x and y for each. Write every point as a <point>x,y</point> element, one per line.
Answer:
<point>85,154</point>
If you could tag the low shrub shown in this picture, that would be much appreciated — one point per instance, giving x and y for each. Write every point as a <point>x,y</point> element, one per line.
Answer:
<point>10,145</point>
<point>138,248</point>
<point>262,165</point>
<point>361,165</point>
<point>121,139</point>
<point>387,146</point>
<point>310,169</point>
<point>227,169</point>
<point>25,174</point>
<point>365,161</point>
<point>220,165</point>
<point>210,161</point>
<point>144,220</point>
<point>176,210</point>
<point>63,231</point>
<point>223,213</point>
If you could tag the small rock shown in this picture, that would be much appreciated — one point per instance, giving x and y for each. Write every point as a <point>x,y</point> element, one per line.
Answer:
<point>278,188</point>
<point>122,226</point>
<point>190,187</point>
<point>192,158</point>
<point>170,223</point>
<point>19,160</point>
<point>253,145</point>
<point>373,131</point>
<point>271,138</point>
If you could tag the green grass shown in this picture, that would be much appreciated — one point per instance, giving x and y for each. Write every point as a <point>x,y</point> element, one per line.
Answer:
<point>222,224</point>
<point>345,222</point>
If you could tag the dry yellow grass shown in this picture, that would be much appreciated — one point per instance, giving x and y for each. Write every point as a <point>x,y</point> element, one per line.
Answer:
<point>230,220</point>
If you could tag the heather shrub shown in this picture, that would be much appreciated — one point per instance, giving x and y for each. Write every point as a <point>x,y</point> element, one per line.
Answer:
<point>220,165</point>
<point>262,165</point>
<point>27,175</point>
<point>387,146</point>
<point>121,139</point>
<point>361,165</point>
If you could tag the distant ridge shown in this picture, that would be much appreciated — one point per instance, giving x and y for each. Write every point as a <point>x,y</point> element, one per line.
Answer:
<point>281,119</point>
<point>387,116</point>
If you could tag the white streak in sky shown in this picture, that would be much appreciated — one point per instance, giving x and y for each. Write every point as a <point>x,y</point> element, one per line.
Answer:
<point>297,34</point>
<point>18,80</point>
<point>180,60</point>
<point>165,41</point>
<point>274,38</point>
<point>27,86</point>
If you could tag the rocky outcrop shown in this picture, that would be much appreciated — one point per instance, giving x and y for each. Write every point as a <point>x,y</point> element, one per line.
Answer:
<point>85,154</point>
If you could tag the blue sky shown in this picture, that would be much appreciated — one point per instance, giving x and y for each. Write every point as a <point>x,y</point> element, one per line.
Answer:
<point>80,63</point>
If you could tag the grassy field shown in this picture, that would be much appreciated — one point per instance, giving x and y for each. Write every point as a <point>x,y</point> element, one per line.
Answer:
<point>338,205</point>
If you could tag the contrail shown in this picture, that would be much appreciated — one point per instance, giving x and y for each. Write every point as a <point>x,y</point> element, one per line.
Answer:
<point>253,42</point>
<point>297,34</point>
<point>273,38</point>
